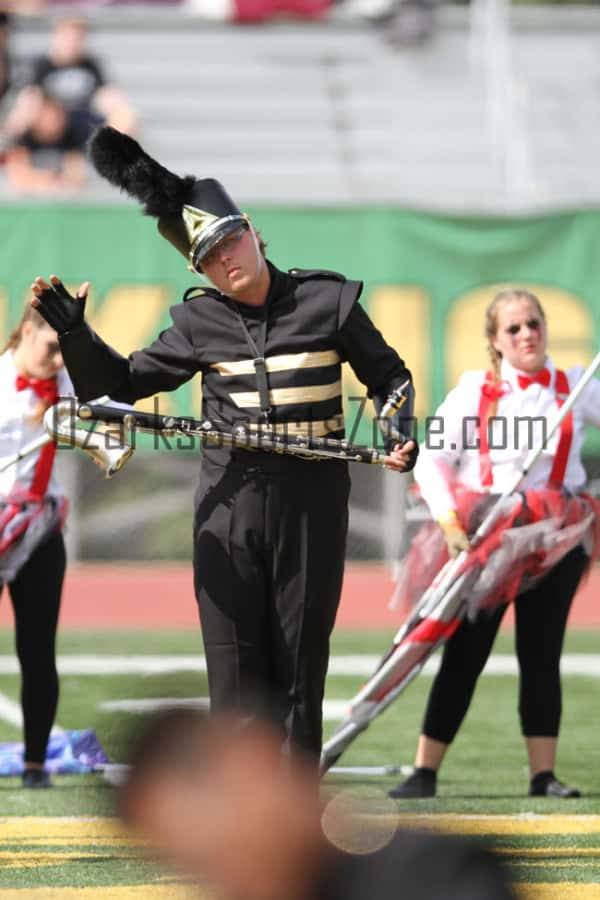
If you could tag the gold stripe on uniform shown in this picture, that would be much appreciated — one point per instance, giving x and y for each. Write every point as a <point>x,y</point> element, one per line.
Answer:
<point>302,429</point>
<point>279,396</point>
<point>280,363</point>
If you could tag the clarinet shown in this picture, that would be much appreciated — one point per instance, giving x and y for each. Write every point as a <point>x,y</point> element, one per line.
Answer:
<point>61,423</point>
<point>239,437</point>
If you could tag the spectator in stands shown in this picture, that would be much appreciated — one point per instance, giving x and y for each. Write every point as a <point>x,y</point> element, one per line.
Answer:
<point>48,156</point>
<point>76,80</point>
<point>402,22</point>
<point>217,798</point>
<point>254,11</point>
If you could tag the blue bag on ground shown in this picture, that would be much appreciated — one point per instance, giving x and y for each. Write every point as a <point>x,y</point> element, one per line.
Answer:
<point>69,752</point>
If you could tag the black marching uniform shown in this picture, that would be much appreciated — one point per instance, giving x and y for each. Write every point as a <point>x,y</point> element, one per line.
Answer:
<point>270,529</point>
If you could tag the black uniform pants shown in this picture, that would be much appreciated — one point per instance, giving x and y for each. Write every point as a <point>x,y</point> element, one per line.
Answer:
<point>269,545</point>
<point>540,623</point>
<point>35,593</point>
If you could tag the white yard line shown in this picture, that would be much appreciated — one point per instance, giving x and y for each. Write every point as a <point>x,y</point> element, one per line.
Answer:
<point>107,664</point>
<point>332,709</point>
<point>356,665</point>
<point>497,664</point>
<point>10,711</point>
<point>153,704</point>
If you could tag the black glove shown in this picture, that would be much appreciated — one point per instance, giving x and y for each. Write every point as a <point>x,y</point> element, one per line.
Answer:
<point>61,311</point>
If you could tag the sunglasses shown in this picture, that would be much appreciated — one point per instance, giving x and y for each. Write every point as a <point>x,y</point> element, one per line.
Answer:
<point>532,324</point>
<point>228,244</point>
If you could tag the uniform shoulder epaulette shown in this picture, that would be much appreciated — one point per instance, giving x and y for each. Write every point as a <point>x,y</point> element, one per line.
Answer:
<point>199,291</point>
<point>305,274</point>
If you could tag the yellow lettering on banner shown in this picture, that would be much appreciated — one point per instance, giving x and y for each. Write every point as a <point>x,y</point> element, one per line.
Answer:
<point>130,317</point>
<point>161,404</point>
<point>402,314</point>
<point>570,329</point>
<point>354,393</point>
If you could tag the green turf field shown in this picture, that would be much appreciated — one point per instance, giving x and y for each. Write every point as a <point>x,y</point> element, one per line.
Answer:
<point>485,774</point>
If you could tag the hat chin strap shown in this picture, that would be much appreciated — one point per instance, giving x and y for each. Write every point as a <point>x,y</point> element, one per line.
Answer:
<point>259,257</point>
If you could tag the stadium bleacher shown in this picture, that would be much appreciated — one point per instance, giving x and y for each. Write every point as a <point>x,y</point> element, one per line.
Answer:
<point>331,113</point>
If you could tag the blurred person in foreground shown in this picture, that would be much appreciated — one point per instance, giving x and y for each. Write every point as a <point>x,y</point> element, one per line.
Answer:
<point>537,552</point>
<point>217,799</point>
<point>5,62</point>
<point>270,528</point>
<point>32,512</point>
<point>75,80</point>
<point>49,156</point>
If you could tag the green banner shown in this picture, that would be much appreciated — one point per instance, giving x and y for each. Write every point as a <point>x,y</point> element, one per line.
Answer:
<point>427,278</point>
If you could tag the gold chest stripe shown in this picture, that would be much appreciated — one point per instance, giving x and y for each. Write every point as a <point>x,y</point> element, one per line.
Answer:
<point>280,363</point>
<point>279,396</point>
<point>320,428</point>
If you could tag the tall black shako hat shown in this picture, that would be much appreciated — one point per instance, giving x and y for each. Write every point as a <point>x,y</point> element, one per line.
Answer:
<point>193,214</point>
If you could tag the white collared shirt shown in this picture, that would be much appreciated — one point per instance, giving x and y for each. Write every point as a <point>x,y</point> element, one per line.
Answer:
<point>450,454</point>
<point>18,429</point>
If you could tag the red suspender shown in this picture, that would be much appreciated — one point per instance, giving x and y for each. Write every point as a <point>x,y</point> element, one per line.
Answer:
<point>559,465</point>
<point>43,467</point>
<point>490,392</point>
<point>43,470</point>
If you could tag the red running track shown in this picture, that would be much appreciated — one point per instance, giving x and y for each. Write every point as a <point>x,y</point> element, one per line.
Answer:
<point>157,596</point>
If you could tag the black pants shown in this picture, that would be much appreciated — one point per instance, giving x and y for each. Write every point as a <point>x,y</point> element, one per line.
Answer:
<point>35,593</point>
<point>540,622</point>
<point>269,555</point>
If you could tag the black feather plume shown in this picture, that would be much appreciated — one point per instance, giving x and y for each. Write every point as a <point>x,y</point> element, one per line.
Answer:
<point>121,160</point>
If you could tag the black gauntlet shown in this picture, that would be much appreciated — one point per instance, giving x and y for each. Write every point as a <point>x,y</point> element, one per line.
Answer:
<point>61,311</point>
<point>401,426</point>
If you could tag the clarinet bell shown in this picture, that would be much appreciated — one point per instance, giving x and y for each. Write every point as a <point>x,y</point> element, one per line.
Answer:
<point>110,461</point>
<point>120,458</point>
<point>60,422</point>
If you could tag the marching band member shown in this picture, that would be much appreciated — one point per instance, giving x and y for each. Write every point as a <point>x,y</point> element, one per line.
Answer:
<point>32,512</point>
<point>478,442</point>
<point>270,529</point>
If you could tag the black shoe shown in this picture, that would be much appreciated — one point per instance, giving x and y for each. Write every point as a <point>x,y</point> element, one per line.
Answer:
<point>36,778</point>
<point>545,784</point>
<point>421,783</point>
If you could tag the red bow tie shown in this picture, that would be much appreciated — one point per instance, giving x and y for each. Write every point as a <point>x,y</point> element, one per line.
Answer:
<point>45,388</point>
<point>493,390</point>
<point>542,377</point>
